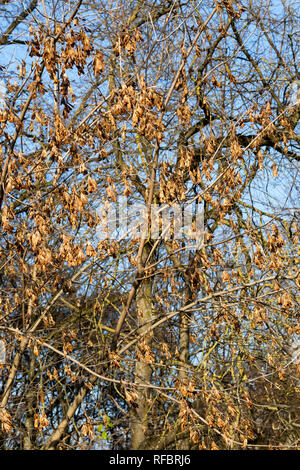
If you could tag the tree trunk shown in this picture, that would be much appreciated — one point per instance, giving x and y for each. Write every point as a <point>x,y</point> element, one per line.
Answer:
<point>30,404</point>
<point>143,370</point>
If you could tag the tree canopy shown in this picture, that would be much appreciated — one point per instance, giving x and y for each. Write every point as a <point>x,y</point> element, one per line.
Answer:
<point>122,341</point>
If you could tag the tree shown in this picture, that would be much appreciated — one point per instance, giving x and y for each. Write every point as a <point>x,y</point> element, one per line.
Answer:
<point>132,342</point>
